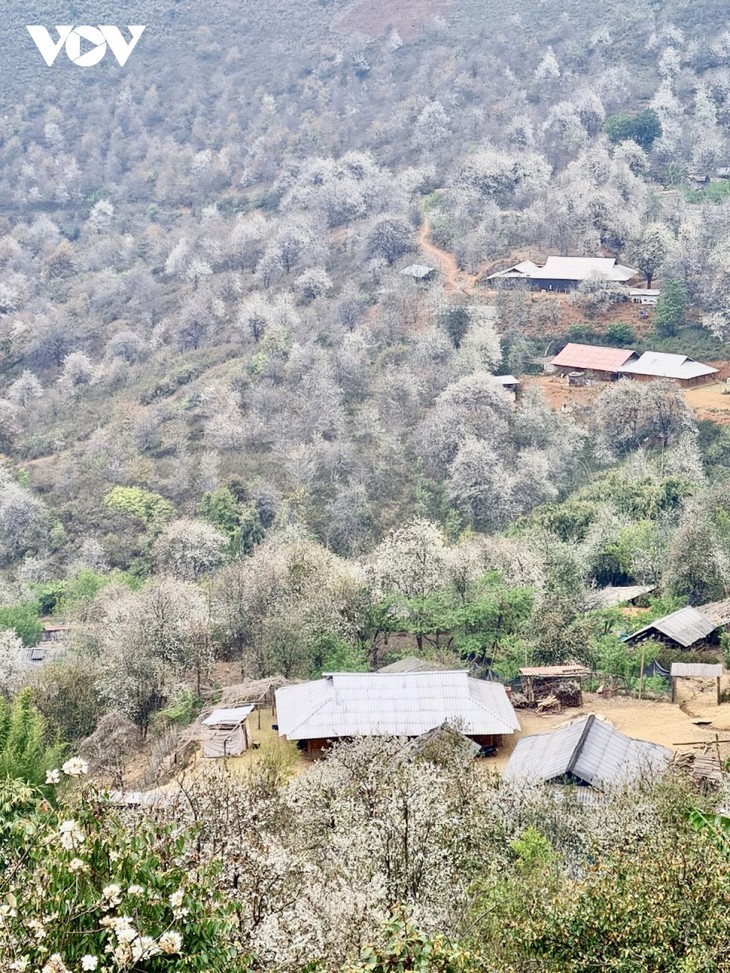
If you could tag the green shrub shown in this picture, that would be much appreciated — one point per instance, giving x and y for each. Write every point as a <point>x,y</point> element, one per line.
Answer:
<point>620,333</point>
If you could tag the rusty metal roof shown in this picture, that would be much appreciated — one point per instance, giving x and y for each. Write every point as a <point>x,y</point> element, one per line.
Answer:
<point>593,357</point>
<point>554,672</point>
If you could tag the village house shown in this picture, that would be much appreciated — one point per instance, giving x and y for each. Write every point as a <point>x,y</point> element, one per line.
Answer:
<point>681,629</point>
<point>419,271</point>
<point>563,273</point>
<point>588,753</point>
<point>681,369</point>
<point>345,705</point>
<point>593,361</point>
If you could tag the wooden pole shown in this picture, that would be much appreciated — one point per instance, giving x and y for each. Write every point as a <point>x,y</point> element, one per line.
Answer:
<point>700,743</point>
<point>719,693</point>
<point>641,674</point>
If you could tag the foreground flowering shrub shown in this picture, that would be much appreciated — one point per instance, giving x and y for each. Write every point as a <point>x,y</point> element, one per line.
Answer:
<point>83,889</point>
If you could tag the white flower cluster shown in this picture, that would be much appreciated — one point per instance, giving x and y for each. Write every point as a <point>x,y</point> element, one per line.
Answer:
<point>131,946</point>
<point>176,901</point>
<point>74,767</point>
<point>70,834</point>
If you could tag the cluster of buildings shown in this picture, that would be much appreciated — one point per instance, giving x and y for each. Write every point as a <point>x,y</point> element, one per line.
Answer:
<point>577,361</point>
<point>417,700</point>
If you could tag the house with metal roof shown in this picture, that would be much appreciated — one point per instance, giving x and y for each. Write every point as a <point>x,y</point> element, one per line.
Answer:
<point>658,364</point>
<point>683,628</point>
<point>594,361</point>
<point>419,271</point>
<point>589,752</point>
<point>563,273</point>
<point>344,705</point>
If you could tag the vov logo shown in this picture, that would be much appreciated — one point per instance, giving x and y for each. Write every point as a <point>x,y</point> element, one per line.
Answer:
<point>99,37</point>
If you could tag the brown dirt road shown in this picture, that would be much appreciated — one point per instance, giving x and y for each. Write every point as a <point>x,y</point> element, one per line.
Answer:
<point>454,279</point>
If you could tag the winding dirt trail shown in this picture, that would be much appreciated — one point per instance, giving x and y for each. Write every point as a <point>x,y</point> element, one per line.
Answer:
<point>454,278</point>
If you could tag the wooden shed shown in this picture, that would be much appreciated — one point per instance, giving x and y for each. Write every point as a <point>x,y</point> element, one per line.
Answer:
<point>226,732</point>
<point>539,681</point>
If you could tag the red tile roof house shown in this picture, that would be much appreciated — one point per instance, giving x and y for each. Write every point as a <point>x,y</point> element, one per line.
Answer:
<point>596,362</point>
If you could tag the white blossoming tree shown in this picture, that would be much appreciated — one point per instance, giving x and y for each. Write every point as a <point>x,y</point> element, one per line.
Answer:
<point>82,890</point>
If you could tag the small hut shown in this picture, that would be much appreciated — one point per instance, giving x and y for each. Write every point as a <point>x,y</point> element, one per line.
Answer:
<point>227,732</point>
<point>419,271</point>
<point>696,670</point>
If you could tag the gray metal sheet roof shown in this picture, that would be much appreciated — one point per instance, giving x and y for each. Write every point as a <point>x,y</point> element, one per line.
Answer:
<point>412,664</point>
<point>569,268</point>
<point>505,379</point>
<point>696,670</point>
<point>393,704</point>
<point>685,627</point>
<point>417,270</point>
<point>662,365</point>
<point>228,717</point>
<point>592,750</point>
<point>606,597</point>
<point>718,611</point>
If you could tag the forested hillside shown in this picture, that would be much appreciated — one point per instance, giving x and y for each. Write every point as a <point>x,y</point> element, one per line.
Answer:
<point>238,443</point>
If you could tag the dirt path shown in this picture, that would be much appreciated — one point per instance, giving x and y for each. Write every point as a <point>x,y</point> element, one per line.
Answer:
<point>454,279</point>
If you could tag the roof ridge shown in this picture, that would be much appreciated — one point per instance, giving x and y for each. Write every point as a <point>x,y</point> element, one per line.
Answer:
<point>325,702</point>
<point>480,704</point>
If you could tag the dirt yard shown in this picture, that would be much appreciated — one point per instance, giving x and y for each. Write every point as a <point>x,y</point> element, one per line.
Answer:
<point>706,401</point>
<point>711,401</point>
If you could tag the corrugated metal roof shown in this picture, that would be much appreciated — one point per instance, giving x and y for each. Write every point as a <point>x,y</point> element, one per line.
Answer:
<point>718,611</point>
<point>593,357</point>
<point>659,364</point>
<point>617,595</point>
<point>569,268</point>
<point>589,749</point>
<point>418,270</point>
<point>685,627</point>
<point>505,379</point>
<point>696,670</point>
<point>580,268</point>
<point>556,671</point>
<point>412,664</point>
<point>392,704</point>
<point>228,717</point>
